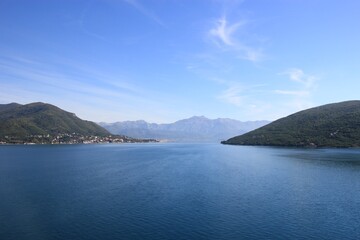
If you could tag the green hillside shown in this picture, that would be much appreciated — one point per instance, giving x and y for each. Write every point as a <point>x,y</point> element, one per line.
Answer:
<point>331,125</point>
<point>41,119</point>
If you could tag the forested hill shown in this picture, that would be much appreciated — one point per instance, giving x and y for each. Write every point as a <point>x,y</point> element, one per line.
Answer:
<point>18,120</point>
<point>331,125</point>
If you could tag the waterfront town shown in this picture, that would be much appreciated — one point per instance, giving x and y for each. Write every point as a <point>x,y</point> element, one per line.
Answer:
<point>71,138</point>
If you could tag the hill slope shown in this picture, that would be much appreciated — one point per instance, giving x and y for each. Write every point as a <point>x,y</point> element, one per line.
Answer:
<point>198,128</point>
<point>42,119</point>
<point>332,125</point>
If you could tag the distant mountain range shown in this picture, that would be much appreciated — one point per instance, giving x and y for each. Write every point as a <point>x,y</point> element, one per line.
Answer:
<point>331,125</point>
<point>194,129</point>
<point>41,122</point>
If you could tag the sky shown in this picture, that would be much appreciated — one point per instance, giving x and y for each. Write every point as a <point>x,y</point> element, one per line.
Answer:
<point>165,60</point>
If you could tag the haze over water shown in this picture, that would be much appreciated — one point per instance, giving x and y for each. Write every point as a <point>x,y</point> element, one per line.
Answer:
<point>178,191</point>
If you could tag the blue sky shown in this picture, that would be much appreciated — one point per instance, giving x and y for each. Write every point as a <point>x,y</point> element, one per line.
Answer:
<point>164,60</point>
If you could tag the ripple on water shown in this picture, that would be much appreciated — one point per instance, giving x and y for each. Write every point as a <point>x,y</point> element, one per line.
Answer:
<point>178,191</point>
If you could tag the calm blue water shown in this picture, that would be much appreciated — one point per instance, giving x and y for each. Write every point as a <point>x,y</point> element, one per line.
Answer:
<point>178,191</point>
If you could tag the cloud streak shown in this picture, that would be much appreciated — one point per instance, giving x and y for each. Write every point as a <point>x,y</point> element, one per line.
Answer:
<point>254,100</point>
<point>58,81</point>
<point>232,95</point>
<point>82,24</point>
<point>224,32</point>
<point>224,35</point>
<point>293,93</point>
<point>238,94</point>
<point>301,97</point>
<point>146,12</point>
<point>92,95</point>
<point>297,75</point>
<point>27,80</point>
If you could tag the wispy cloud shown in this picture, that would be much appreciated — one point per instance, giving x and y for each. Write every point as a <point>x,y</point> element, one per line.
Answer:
<point>71,83</point>
<point>293,93</point>
<point>301,96</point>
<point>248,101</point>
<point>146,12</point>
<point>27,80</point>
<point>90,93</point>
<point>238,94</point>
<point>224,34</point>
<point>253,100</point>
<point>83,26</point>
<point>297,75</point>
<point>232,95</point>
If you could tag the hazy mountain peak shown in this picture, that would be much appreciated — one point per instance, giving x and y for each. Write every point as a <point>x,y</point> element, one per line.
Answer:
<point>198,117</point>
<point>196,128</point>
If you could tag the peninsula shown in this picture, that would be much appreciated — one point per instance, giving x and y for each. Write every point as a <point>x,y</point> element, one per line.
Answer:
<point>42,123</point>
<point>331,125</point>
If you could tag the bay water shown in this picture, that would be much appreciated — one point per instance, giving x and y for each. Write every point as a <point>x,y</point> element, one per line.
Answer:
<point>178,191</point>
